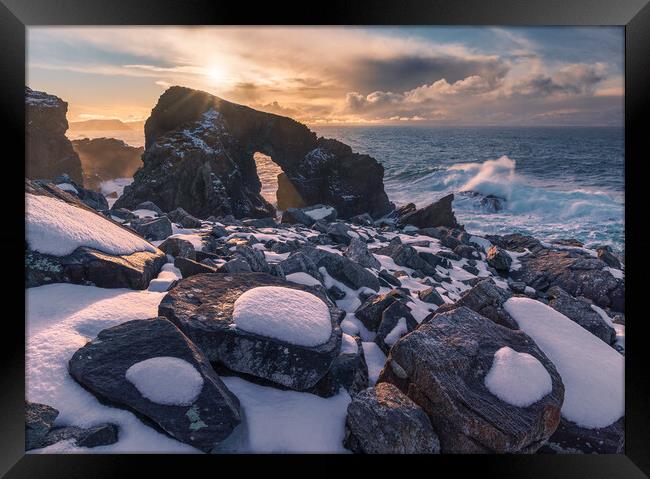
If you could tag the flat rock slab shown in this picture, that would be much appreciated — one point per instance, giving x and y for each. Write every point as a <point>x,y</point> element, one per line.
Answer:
<point>383,420</point>
<point>442,367</point>
<point>88,265</point>
<point>202,307</point>
<point>101,365</point>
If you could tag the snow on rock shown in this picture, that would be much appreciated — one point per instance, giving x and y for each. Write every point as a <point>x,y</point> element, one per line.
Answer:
<point>145,213</point>
<point>277,421</point>
<point>592,371</point>
<point>68,187</point>
<point>397,332</point>
<point>319,213</point>
<point>56,228</point>
<point>166,380</point>
<point>168,274</point>
<point>290,315</point>
<point>303,278</point>
<point>375,359</point>
<point>348,345</point>
<point>518,378</point>
<point>60,319</point>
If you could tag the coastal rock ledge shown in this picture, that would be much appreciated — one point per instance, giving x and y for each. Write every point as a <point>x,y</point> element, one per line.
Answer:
<point>199,156</point>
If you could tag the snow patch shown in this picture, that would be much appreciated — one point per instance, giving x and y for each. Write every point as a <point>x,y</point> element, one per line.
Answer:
<point>592,371</point>
<point>375,359</point>
<point>397,332</point>
<point>166,380</point>
<point>303,278</point>
<point>290,315</point>
<point>518,378</point>
<point>319,213</point>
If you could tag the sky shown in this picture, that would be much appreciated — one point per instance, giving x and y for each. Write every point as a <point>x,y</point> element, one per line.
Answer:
<point>533,76</point>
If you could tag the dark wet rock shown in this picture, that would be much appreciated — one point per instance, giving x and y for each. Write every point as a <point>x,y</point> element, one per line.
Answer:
<point>518,287</point>
<point>348,371</point>
<point>605,254</point>
<point>575,274</point>
<point>183,218</point>
<point>101,435</point>
<point>442,366</point>
<point>178,247</point>
<point>406,255</point>
<point>431,295</point>
<point>467,251</point>
<point>493,203</point>
<point>202,306</point>
<point>390,320</point>
<point>156,229</point>
<point>383,420</point>
<point>568,242</point>
<point>49,152</point>
<point>358,252</point>
<point>189,267</point>
<point>388,279</point>
<point>105,159</point>
<point>499,259</point>
<point>390,249</point>
<point>254,257</point>
<point>199,156</point>
<point>342,268</point>
<point>300,263</point>
<point>449,255</point>
<point>236,265</point>
<point>39,419</point>
<point>219,231</point>
<point>294,216</point>
<point>123,214</point>
<point>90,198</point>
<point>100,367</point>
<point>580,311</point>
<point>470,269</point>
<point>340,233</point>
<point>336,293</point>
<point>148,205</point>
<point>370,311</point>
<point>486,299</point>
<point>436,214</point>
<point>435,259</point>
<point>317,211</point>
<point>362,220</point>
<point>516,242</point>
<point>569,438</point>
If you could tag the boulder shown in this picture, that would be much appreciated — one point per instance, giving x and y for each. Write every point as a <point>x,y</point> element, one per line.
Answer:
<point>435,259</point>
<point>254,257</point>
<point>300,263</point>
<point>178,247</point>
<point>87,265</point>
<point>499,259</point>
<point>183,218</point>
<point>383,420</point>
<point>436,214</point>
<point>358,252</point>
<point>467,251</point>
<point>348,371</point>
<point>90,198</point>
<point>236,265</point>
<point>120,364</point>
<point>442,366</point>
<point>260,223</point>
<point>431,295</point>
<point>156,229</point>
<point>202,307</point>
<point>39,419</point>
<point>294,216</point>
<point>406,255</point>
<point>396,321</point>
<point>105,159</point>
<point>575,274</point>
<point>370,311</point>
<point>340,233</point>
<point>605,255</point>
<point>389,280</point>
<point>199,156</point>
<point>148,205</point>
<point>189,267</point>
<point>580,311</point>
<point>342,268</point>
<point>486,299</point>
<point>48,152</point>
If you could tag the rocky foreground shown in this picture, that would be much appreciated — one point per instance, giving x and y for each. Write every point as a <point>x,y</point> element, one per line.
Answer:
<point>426,338</point>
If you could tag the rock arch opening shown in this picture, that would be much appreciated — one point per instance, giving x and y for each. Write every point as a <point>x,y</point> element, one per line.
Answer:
<point>276,188</point>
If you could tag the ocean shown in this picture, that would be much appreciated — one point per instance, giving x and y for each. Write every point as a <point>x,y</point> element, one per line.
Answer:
<point>558,183</point>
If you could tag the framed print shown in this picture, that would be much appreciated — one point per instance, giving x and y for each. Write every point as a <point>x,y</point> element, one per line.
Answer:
<point>404,229</point>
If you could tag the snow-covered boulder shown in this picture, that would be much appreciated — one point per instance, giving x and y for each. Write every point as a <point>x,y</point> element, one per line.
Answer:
<point>383,420</point>
<point>150,367</point>
<point>443,365</point>
<point>592,373</point>
<point>258,324</point>
<point>68,242</point>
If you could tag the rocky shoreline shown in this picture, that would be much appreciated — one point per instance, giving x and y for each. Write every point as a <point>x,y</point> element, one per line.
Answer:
<point>396,327</point>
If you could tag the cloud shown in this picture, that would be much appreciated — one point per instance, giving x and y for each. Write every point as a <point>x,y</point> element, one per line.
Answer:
<point>576,79</point>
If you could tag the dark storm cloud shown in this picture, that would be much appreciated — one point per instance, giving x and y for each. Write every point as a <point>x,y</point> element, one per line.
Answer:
<point>574,80</point>
<point>407,72</point>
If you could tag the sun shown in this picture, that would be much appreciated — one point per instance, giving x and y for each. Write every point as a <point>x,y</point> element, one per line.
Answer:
<point>214,74</point>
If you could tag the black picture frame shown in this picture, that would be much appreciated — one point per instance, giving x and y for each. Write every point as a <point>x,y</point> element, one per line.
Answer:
<point>16,15</point>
